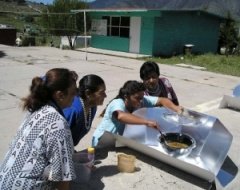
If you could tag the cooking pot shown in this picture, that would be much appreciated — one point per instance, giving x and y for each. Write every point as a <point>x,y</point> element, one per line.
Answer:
<point>177,143</point>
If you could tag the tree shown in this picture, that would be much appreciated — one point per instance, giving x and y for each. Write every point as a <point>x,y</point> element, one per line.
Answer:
<point>228,35</point>
<point>59,20</point>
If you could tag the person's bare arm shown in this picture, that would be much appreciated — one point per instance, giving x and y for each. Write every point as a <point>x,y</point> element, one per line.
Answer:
<point>129,118</point>
<point>169,104</point>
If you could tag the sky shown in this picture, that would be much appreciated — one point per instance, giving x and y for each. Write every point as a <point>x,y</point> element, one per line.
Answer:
<point>46,2</point>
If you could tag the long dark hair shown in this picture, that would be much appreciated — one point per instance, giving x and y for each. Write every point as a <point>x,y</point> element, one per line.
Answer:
<point>43,88</point>
<point>147,68</point>
<point>129,88</point>
<point>89,82</point>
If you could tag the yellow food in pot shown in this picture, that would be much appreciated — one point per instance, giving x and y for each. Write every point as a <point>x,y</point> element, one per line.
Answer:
<point>177,145</point>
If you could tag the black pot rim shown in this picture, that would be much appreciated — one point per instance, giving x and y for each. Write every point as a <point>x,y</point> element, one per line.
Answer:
<point>177,137</point>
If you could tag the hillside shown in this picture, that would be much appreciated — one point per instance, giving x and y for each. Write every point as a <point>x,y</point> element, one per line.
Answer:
<point>17,15</point>
<point>219,7</point>
<point>28,7</point>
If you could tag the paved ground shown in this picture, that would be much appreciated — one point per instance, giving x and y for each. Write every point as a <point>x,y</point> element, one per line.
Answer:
<point>198,90</point>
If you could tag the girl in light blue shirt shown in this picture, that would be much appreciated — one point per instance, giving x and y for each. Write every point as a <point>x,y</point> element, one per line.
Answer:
<point>119,110</point>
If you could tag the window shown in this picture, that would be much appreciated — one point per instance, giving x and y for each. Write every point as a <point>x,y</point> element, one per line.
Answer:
<point>118,26</point>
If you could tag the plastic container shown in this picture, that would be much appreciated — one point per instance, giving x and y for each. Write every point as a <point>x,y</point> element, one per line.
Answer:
<point>91,153</point>
<point>83,167</point>
<point>126,163</point>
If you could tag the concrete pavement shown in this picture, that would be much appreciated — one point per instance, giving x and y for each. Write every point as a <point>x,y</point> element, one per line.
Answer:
<point>196,89</point>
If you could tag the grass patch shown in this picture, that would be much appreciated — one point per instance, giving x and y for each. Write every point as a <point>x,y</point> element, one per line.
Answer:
<point>215,63</point>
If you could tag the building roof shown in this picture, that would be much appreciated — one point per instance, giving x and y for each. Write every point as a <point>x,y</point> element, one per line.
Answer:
<point>142,10</point>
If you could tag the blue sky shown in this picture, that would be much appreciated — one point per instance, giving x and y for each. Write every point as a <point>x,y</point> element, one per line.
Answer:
<point>50,1</point>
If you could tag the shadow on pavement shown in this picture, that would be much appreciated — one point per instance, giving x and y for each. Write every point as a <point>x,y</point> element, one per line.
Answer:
<point>95,182</point>
<point>170,169</point>
<point>96,179</point>
<point>2,54</point>
<point>226,174</point>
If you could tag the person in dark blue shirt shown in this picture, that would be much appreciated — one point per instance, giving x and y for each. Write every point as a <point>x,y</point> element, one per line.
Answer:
<point>91,93</point>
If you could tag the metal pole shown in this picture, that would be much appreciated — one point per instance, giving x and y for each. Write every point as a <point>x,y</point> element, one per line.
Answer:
<point>85,32</point>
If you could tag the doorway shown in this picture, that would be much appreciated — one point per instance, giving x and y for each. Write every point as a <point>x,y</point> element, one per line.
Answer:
<point>135,28</point>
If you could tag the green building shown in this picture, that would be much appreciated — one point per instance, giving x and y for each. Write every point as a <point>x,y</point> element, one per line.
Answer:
<point>155,32</point>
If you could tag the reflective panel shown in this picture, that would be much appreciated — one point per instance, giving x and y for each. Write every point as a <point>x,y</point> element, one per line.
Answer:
<point>236,91</point>
<point>204,159</point>
<point>189,119</point>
